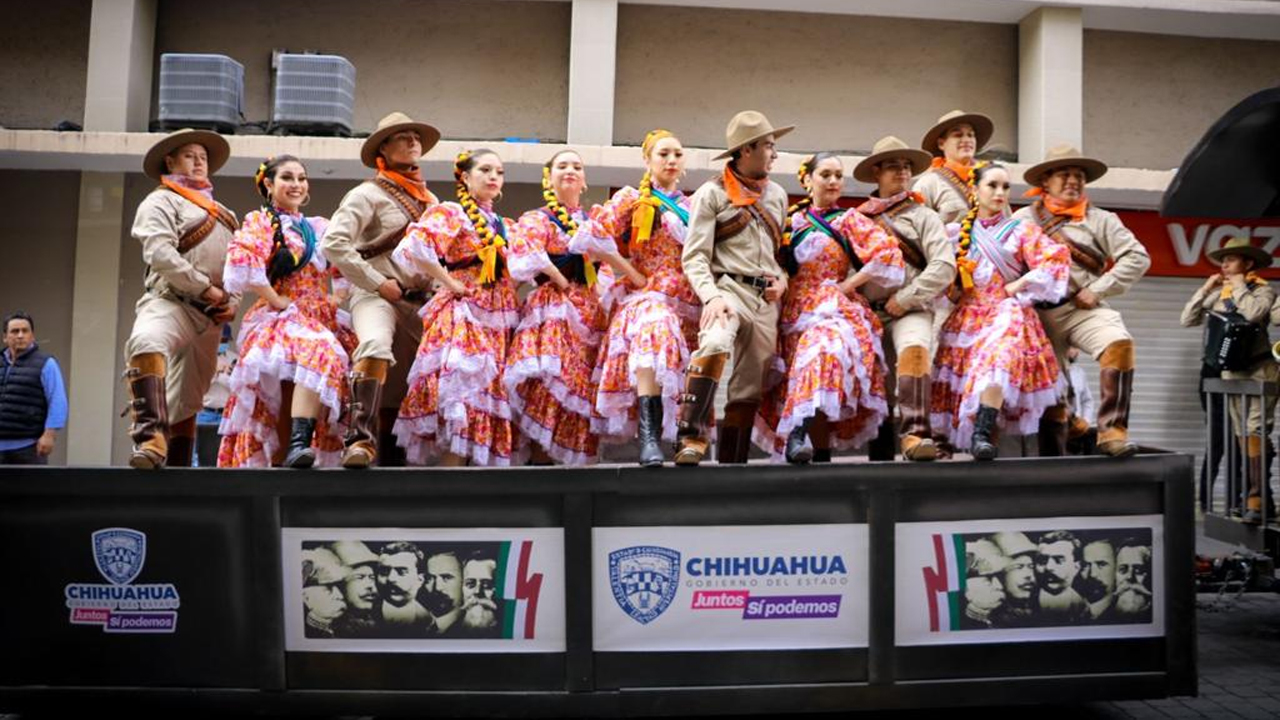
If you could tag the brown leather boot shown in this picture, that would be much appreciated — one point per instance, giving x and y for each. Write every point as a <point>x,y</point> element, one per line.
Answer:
<point>1052,435</point>
<point>733,441</point>
<point>150,415</point>
<point>366,380</point>
<point>913,405</point>
<point>182,442</point>
<point>1113,407</point>
<point>1253,474</point>
<point>699,396</point>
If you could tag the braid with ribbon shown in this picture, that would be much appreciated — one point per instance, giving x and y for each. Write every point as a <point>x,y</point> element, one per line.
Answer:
<point>965,264</point>
<point>645,212</point>
<point>489,240</point>
<point>806,168</point>
<point>282,261</point>
<point>561,213</point>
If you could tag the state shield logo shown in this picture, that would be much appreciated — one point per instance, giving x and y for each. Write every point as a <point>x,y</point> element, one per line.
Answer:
<point>644,580</point>
<point>119,554</point>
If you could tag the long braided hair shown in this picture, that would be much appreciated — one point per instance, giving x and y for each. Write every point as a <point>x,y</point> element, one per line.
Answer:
<point>645,215</point>
<point>549,195</point>
<point>803,174</point>
<point>282,261</point>
<point>964,263</point>
<point>463,164</point>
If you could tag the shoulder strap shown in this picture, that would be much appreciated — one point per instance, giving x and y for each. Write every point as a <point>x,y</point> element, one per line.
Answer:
<point>1052,225</point>
<point>953,180</point>
<point>912,254</point>
<point>198,234</point>
<point>411,208</point>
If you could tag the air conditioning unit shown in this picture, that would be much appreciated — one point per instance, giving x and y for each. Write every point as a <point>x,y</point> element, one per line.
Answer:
<point>314,94</point>
<point>200,90</point>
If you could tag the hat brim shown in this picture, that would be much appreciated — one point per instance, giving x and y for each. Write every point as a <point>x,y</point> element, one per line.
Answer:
<point>776,133</point>
<point>983,128</point>
<point>1093,169</point>
<point>865,171</point>
<point>369,151</point>
<point>215,145</point>
<point>1261,259</point>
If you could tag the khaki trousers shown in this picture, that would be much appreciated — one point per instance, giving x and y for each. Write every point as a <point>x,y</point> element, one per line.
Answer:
<point>389,332</point>
<point>1090,330</point>
<point>187,339</point>
<point>751,336</point>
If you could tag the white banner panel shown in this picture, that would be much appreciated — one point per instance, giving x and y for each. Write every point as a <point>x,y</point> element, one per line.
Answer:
<point>1065,578</point>
<point>761,587</point>
<point>423,591</point>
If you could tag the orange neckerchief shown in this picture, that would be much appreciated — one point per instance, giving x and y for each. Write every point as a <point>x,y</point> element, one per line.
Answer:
<point>742,191</point>
<point>961,171</point>
<point>1076,212</point>
<point>411,181</point>
<point>1252,278</point>
<point>205,203</point>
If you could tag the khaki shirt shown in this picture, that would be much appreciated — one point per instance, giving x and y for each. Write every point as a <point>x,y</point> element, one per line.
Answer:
<point>922,228</point>
<point>366,216</point>
<point>750,252</point>
<point>163,218</point>
<point>941,196</point>
<point>1253,304</point>
<point>1102,231</point>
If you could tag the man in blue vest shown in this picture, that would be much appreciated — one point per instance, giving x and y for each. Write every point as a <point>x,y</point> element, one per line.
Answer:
<point>33,401</point>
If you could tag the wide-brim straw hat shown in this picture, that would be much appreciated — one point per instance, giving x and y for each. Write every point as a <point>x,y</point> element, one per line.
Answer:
<point>214,144</point>
<point>889,148</point>
<point>390,125</point>
<point>982,126</point>
<point>1060,156</point>
<point>747,127</point>
<point>1243,247</point>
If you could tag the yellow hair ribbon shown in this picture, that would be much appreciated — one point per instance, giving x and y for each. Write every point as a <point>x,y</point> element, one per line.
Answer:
<point>642,218</point>
<point>489,260</point>
<point>966,266</point>
<point>589,270</point>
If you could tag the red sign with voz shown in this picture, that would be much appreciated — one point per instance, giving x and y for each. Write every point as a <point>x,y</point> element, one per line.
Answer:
<point>1179,246</point>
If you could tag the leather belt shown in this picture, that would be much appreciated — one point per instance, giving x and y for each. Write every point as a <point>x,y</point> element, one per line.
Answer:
<point>756,283</point>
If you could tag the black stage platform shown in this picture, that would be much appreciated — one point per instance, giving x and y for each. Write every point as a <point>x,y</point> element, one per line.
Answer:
<point>619,591</point>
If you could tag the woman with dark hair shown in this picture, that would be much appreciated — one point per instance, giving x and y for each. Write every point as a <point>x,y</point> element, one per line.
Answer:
<point>830,336</point>
<point>549,368</point>
<point>642,359</point>
<point>456,407</point>
<point>1240,290</point>
<point>994,360</point>
<point>288,336</point>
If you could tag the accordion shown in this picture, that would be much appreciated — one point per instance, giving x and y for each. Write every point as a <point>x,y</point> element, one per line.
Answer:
<point>1233,343</point>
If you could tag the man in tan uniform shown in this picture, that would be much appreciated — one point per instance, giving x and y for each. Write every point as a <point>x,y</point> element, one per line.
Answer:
<point>953,141</point>
<point>367,226</point>
<point>172,350</point>
<point>1083,319</point>
<point>735,227</point>
<point>931,267</point>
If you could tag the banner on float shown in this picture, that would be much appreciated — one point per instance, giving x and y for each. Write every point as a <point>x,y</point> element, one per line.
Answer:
<point>423,591</point>
<point>1029,580</point>
<point>764,587</point>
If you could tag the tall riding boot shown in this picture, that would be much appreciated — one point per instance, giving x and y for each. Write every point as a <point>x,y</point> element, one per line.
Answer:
<point>301,455</point>
<point>367,378</point>
<point>1113,408</point>
<point>884,446</point>
<point>1254,474</point>
<point>799,450</point>
<point>182,442</point>
<point>733,445</point>
<point>699,396</point>
<point>914,384</point>
<point>983,444</point>
<point>1053,431</point>
<point>150,428</point>
<point>649,414</point>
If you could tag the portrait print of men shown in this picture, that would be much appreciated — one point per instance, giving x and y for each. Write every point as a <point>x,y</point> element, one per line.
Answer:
<point>400,577</point>
<point>1096,582</point>
<point>1133,582</point>
<point>444,591</point>
<point>361,590</point>
<point>323,581</point>
<point>479,603</point>
<point>1020,587</point>
<point>1057,564</point>
<point>984,584</point>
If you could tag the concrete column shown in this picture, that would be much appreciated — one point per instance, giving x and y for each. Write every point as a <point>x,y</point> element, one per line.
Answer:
<point>121,48</point>
<point>92,380</point>
<point>1050,81</point>
<point>593,49</point>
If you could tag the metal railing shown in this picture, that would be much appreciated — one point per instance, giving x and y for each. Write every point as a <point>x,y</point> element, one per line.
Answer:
<point>1221,432</point>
